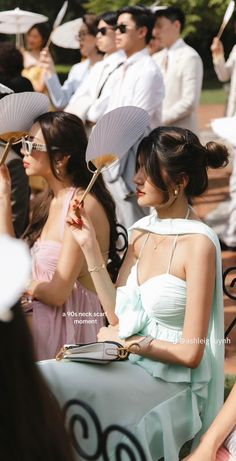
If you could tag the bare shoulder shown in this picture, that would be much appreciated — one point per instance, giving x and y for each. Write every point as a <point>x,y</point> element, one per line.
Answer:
<point>99,218</point>
<point>199,247</point>
<point>94,208</point>
<point>137,240</point>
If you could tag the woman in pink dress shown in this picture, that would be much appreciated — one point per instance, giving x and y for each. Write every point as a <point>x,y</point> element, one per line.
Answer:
<point>61,302</point>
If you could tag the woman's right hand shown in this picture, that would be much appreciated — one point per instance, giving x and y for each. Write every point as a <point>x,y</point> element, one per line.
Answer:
<point>81,225</point>
<point>217,47</point>
<point>5,182</point>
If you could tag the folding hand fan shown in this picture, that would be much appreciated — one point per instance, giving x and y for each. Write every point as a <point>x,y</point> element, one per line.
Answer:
<point>114,134</point>
<point>226,18</point>
<point>58,21</point>
<point>17,114</point>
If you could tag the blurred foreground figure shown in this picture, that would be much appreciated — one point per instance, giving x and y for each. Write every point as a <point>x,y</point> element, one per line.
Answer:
<point>32,423</point>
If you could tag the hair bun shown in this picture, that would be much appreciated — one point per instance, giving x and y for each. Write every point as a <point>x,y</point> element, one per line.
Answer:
<point>216,155</point>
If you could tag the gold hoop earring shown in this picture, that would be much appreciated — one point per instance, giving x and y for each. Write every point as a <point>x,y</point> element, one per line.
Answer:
<point>176,192</point>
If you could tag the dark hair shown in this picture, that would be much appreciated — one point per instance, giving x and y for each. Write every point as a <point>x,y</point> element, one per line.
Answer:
<point>31,420</point>
<point>173,13</point>
<point>11,60</point>
<point>43,30</point>
<point>178,151</point>
<point>64,134</point>
<point>142,16</point>
<point>110,17</point>
<point>91,21</point>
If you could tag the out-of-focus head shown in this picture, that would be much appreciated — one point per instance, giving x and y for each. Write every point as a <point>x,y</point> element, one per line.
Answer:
<point>134,28</point>
<point>87,35</point>
<point>106,37</point>
<point>169,24</point>
<point>37,36</point>
<point>11,60</point>
<point>169,157</point>
<point>154,45</point>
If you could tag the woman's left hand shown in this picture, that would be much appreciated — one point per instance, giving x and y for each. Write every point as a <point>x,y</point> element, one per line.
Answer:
<point>110,333</point>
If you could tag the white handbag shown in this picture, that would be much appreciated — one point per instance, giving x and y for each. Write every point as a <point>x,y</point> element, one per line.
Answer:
<point>99,352</point>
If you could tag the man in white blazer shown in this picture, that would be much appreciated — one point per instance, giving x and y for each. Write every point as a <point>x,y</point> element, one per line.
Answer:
<point>182,70</point>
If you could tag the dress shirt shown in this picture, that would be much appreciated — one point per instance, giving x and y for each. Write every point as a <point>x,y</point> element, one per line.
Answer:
<point>100,85</point>
<point>138,82</point>
<point>183,82</point>
<point>61,94</point>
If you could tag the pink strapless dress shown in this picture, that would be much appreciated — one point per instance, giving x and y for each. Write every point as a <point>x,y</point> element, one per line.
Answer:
<point>78,320</point>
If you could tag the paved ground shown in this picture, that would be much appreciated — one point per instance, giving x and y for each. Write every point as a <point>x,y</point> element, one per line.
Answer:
<point>212,207</point>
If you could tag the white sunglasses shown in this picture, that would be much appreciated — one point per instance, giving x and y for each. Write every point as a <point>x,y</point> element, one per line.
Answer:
<point>28,146</point>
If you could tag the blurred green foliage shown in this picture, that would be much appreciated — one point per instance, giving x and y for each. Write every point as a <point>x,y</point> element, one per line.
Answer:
<point>203,20</point>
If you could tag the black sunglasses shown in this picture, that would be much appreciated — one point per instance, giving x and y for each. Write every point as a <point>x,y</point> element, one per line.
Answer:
<point>121,27</point>
<point>103,30</point>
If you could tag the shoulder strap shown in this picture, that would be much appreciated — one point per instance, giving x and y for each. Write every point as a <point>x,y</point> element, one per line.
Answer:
<point>143,245</point>
<point>172,253</point>
<point>107,77</point>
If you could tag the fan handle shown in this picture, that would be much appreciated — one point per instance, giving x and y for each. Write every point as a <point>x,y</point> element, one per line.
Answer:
<point>6,150</point>
<point>90,185</point>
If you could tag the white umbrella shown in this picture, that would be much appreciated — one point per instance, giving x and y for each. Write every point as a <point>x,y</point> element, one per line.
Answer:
<point>65,35</point>
<point>19,21</point>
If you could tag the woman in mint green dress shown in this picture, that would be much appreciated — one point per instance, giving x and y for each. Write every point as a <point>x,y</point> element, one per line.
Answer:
<point>166,308</point>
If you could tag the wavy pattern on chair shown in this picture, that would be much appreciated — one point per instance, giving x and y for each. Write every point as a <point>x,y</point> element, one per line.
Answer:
<point>135,452</point>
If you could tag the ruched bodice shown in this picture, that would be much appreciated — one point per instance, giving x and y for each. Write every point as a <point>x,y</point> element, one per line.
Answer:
<point>45,255</point>
<point>163,297</point>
